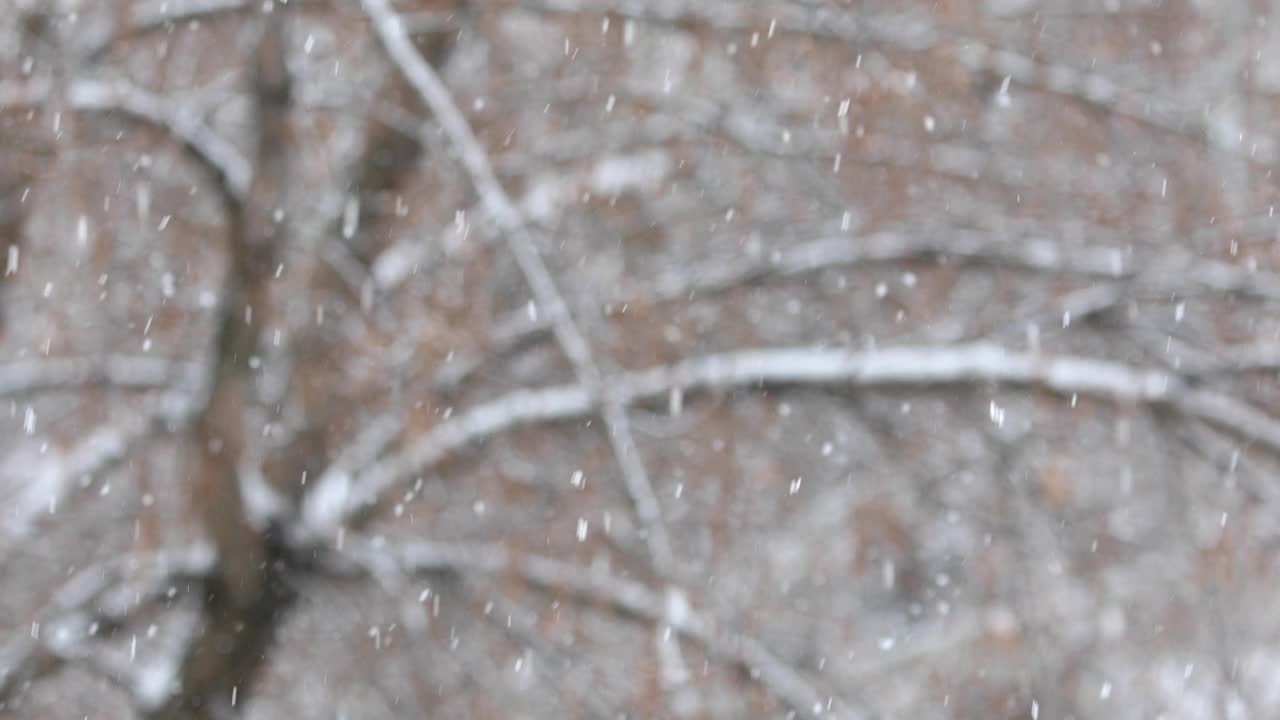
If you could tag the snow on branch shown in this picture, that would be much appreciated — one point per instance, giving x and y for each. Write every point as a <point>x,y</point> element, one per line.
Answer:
<point>900,366</point>
<point>336,499</point>
<point>122,371</point>
<point>41,484</point>
<point>1033,253</point>
<point>391,33</point>
<point>44,483</point>
<point>104,593</point>
<point>220,156</point>
<point>161,15</point>
<point>324,506</point>
<point>1116,268</point>
<point>916,32</point>
<point>818,254</point>
<point>670,608</point>
<point>224,158</point>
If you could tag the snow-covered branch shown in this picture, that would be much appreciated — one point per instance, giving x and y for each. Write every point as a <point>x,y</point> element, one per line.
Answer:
<point>337,497</point>
<point>159,15</point>
<point>671,608</point>
<point>224,158</point>
<point>48,479</point>
<point>231,168</point>
<point>391,32</point>
<point>917,32</point>
<point>106,593</point>
<point>51,373</point>
<point>823,253</point>
<point>1034,253</point>
<point>324,507</point>
<point>40,485</point>
<point>899,366</point>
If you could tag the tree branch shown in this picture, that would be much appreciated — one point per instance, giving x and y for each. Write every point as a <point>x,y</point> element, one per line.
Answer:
<point>228,165</point>
<point>628,596</point>
<point>428,85</point>
<point>52,476</point>
<point>900,366</point>
<point>1172,273</point>
<point>56,373</point>
<point>244,595</point>
<point>916,32</point>
<point>105,593</point>
<point>821,254</point>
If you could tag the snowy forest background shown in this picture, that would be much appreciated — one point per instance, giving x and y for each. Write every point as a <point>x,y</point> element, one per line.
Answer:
<point>627,358</point>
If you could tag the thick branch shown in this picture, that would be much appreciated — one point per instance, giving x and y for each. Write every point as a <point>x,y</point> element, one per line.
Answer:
<point>902,366</point>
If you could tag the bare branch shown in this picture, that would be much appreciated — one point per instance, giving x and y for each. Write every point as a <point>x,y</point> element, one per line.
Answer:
<point>1118,270</point>
<point>325,507</point>
<point>164,14</point>
<point>229,166</point>
<point>821,254</point>
<point>391,33</point>
<point>49,479</point>
<point>54,373</point>
<point>629,596</point>
<point>107,592</point>
<point>1032,253</point>
<point>901,366</point>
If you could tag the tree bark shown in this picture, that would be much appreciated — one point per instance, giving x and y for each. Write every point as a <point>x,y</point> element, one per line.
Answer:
<point>246,594</point>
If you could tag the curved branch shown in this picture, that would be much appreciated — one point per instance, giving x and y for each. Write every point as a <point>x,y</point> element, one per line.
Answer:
<point>229,167</point>
<point>1067,375</point>
<point>671,609</point>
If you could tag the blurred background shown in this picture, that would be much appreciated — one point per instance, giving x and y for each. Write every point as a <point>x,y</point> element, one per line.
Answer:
<point>630,359</point>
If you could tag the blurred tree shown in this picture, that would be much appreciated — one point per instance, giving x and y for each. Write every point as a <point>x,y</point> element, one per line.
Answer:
<point>667,359</point>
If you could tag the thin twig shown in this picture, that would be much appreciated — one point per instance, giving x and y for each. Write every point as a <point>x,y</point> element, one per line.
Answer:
<point>917,32</point>
<point>1115,269</point>
<point>843,250</point>
<point>424,80</point>
<point>626,595</point>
